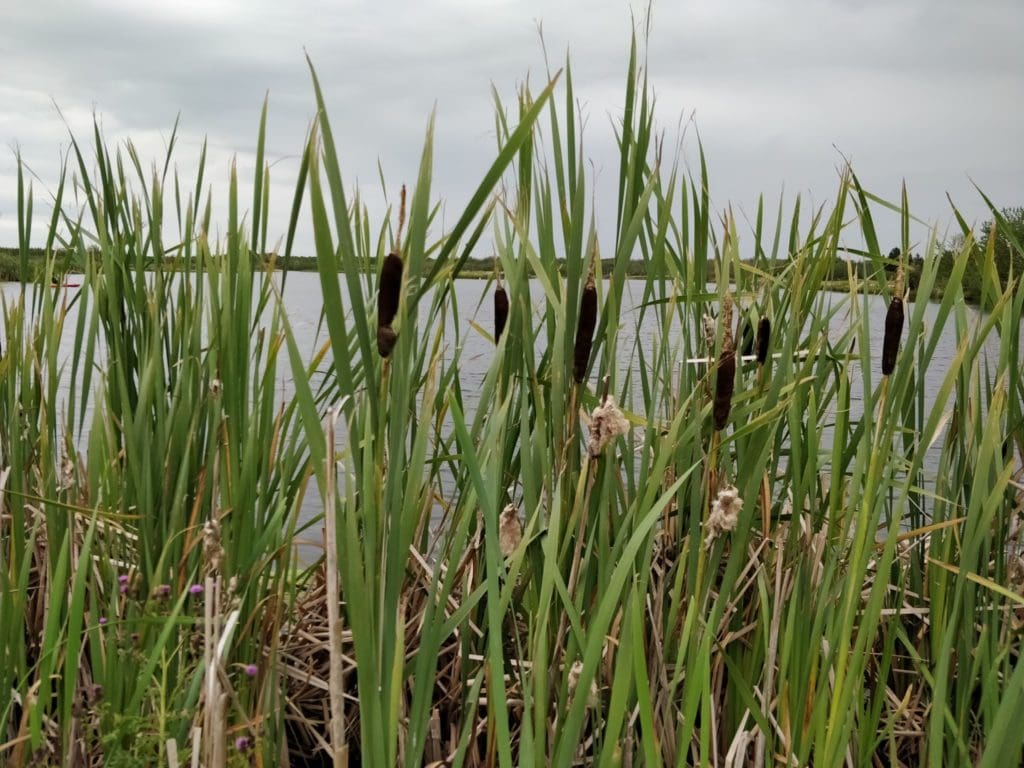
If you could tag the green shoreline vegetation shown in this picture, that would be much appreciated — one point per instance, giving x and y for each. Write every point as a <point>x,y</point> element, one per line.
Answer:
<point>621,560</point>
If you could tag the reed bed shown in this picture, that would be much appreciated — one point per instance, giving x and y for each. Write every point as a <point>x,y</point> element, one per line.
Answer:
<point>620,558</point>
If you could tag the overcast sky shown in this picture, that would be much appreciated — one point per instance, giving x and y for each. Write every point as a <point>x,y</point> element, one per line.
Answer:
<point>926,91</point>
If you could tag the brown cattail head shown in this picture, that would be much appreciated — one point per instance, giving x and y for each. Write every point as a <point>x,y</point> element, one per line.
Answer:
<point>500,312</point>
<point>725,378</point>
<point>893,327</point>
<point>390,289</point>
<point>585,329</point>
<point>386,338</point>
<point>764,334</point>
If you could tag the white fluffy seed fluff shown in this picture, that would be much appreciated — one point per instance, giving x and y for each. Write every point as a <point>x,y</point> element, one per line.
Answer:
<point>725,514</point>
<point>606,423</point>
<point>510,531</point>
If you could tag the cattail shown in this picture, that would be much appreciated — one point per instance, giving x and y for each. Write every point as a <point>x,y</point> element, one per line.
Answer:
<point>388,294</point>
<point>585,329</point>
<point>500,312</point>
<point>893,327</point>
<point>764,334</point>
<point>390,289</point>
<point>386,338</point>
<point>725,378</point>
<point>510,530</point>
<point>725,514</point>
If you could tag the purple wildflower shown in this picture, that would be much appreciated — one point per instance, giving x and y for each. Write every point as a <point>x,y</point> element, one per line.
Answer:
<point>242,743</point>
<point>251,670</point>
<point>195,589</point>
<point>103,621</point>
<point>162,591</point>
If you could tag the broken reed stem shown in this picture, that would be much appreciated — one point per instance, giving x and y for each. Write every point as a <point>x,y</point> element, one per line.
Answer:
<point>339,749</point>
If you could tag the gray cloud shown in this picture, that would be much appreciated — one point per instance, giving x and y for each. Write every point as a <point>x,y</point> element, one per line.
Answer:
<point>916,90</point>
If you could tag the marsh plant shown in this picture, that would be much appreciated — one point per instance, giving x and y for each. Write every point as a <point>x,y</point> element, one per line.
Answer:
<point>800,556</point>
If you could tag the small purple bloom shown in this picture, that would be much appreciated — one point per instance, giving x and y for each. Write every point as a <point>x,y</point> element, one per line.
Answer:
<point>123,589</point>
<point>251,670</point>
<point>242,743</point>
<point>162,590</point>
<point>122,579</point>
<point>103,621</point>
<point>195,589</point>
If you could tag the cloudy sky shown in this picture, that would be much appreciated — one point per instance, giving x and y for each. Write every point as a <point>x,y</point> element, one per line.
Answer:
<point>926,91</point>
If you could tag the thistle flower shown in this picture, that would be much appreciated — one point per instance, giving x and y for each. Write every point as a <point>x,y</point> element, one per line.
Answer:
<point>500,312</point>
<point>162,591</point>
<point>242,743</point>
<point>893,326</point>
<point>510,531</point>
<point>725,514</point>
<point>195,589</point>
<point>585,329</point>
<point>606,422</point>
<point>250,670</point>
<point>102,621</point>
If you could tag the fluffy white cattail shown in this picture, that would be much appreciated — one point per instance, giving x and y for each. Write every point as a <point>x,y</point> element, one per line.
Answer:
<point>510,531</point>
<point>606,423</point>
<point>725,514</point>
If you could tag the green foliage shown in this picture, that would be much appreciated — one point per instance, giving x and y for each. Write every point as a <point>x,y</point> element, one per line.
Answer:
<point>862,606</point>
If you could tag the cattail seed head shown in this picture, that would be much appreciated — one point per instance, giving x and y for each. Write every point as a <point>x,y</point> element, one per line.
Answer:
<point>389,293</point>
<point>764,333</point>
<point>510,531</point>
<point>500,312</point>
<point>893,326</point>
<point>386,338</point>
<point>725,381</point>
<point>893,331</point>
<point>390,289</point>
<point>725,378</point>
<point>585,329</point>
